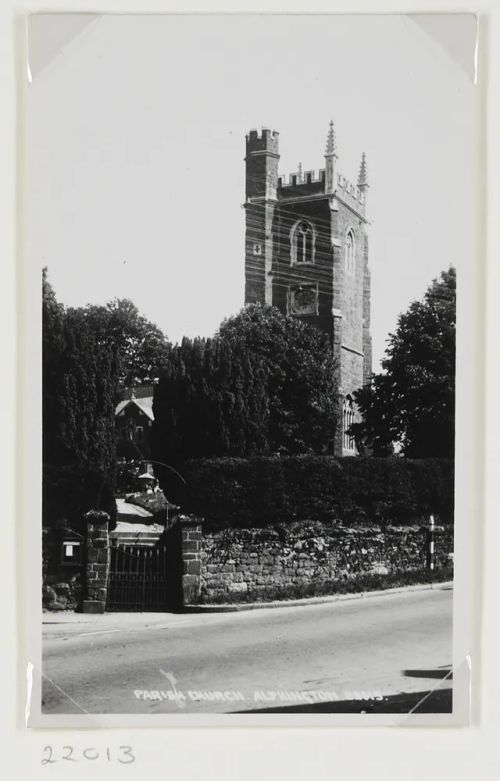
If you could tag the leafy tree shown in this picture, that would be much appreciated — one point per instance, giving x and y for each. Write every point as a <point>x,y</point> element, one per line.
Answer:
<point>79,388</point>
<point>141,346</point>
<point>412,403</point>
<point>298,362</point>
<point>265,383</point>
<point>209,401</point>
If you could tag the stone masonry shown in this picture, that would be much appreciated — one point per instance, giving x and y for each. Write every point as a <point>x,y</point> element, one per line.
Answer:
<point>97,562</point>
<point>306,252</point>
<point>191,554</point>
<point>239,565</point>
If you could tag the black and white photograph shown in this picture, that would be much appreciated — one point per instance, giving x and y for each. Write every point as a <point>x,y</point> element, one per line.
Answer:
<point>250,245</point>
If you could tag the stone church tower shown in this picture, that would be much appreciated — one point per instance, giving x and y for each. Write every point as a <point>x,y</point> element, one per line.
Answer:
<point>306,252</point>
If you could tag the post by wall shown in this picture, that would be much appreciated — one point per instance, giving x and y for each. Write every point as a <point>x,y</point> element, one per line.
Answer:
<point>97,562</point>
<point>183,541</point>
<point>190,527</point>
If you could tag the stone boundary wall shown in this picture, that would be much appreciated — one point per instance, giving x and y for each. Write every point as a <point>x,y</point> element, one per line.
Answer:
<point>259,563</point>
<point>241,565</point>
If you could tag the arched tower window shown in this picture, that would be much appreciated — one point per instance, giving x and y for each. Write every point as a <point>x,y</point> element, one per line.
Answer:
<point>349,252</point>
<point>302,241</point>
<point>347,421</point>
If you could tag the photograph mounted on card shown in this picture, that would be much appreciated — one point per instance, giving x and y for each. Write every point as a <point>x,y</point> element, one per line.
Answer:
<point>247,234</point>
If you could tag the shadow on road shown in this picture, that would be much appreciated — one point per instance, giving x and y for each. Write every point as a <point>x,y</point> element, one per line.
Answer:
<point>440,701</point>
<point>441,674</point>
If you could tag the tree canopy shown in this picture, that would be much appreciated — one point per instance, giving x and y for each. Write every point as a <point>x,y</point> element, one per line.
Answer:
<point>298,362</point>
<point>79,389</point>
<point>210,400</point>
<point>264,384</point>
<point>142,348</point>
<point>412,402</point>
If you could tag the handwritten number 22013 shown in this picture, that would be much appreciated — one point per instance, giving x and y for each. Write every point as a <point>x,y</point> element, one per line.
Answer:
<point>125,758</point>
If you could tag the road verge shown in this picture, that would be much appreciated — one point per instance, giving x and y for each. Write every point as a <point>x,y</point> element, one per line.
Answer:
<point>237,607</point>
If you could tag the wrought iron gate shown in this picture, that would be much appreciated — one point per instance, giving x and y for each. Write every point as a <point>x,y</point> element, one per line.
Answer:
<point>137,578</point>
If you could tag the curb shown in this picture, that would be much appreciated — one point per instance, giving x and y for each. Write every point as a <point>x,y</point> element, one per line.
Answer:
<point>236,608</point>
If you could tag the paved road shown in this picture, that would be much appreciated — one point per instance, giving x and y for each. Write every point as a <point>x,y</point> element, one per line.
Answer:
<point>252,660</point>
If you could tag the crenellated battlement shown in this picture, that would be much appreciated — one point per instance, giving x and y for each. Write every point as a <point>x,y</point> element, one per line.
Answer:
<point>302,177</point>
<point>344,186</point>
<point>347,188</point>
<point>264,181</point>
<point>265,141</point>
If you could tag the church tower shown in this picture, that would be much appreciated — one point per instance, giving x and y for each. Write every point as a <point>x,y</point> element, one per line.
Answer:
<point>306,252</point>
<point>261,194</point>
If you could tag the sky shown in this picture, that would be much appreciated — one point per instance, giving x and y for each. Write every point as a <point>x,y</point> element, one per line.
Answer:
<point>137,141</point>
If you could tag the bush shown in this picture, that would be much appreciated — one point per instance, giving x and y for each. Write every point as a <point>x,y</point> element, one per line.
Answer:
<point>261,491</point>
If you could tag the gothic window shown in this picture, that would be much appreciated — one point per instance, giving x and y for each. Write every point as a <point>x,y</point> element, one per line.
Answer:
<point>349,252</point>
<point>302,242</point>
<point>347,421</point>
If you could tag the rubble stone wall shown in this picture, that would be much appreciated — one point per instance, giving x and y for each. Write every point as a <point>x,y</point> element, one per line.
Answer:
<point>261,563</point>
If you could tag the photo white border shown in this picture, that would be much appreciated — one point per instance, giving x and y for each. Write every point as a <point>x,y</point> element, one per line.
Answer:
<point>455,753</point>
<point>468,356</point>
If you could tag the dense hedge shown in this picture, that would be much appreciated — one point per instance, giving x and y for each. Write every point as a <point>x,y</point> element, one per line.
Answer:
<point>261,491</point>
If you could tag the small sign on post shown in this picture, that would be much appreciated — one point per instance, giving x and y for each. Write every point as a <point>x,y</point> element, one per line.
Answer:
<point>431,530</point>
<point>430,544</point>
<point>71,552</point>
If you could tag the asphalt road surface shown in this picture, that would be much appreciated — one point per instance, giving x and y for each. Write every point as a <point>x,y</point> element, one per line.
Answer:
<point>277,659</point>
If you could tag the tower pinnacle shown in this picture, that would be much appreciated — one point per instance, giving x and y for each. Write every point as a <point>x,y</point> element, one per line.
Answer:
<point>330,158</point>
<point>331,148</point>
<point>363,173</point>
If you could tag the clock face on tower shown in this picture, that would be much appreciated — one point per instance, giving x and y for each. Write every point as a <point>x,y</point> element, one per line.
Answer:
<point>303,300</point>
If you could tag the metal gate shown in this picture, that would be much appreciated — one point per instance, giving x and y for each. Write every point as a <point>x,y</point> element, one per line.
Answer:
<point>137,578</point>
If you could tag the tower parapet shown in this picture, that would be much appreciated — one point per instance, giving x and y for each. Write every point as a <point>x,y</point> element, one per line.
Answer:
<point>297,178</point>
<point>304,183</point>
<point>353,195</point>
<point>265,141</point>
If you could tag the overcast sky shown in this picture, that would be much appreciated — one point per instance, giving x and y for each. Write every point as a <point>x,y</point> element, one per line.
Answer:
<point>137,140</point>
